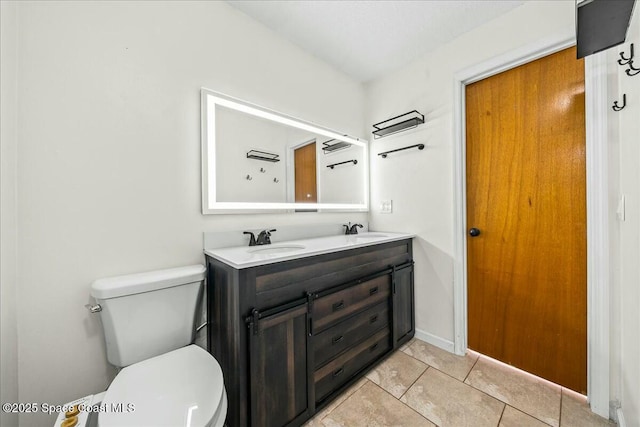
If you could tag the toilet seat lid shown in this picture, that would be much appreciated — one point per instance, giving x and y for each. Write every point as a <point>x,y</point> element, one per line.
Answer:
<point>181,388</point>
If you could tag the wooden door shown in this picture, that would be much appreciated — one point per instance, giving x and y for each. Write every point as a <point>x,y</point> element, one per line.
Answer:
<point>525,157</point>
<point>278,366</point>
<point>305,174</point>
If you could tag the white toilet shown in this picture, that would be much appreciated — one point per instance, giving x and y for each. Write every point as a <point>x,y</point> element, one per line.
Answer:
<point>148,322</point>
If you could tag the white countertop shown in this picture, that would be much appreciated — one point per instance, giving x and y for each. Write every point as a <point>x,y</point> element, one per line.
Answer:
<point>250,256</point>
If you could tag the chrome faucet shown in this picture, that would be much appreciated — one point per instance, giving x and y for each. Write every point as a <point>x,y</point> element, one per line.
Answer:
<point>264,238</point>
<point>351,229</point>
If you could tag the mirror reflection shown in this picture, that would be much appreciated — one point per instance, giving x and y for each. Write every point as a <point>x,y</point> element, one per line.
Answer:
<point>259,159</point>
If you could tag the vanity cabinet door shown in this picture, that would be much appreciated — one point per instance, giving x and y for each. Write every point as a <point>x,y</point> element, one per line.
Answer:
<point>403,304</point>
<point>278,366</point>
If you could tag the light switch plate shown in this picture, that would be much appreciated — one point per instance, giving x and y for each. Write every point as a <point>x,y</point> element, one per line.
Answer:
<point>386,206</point>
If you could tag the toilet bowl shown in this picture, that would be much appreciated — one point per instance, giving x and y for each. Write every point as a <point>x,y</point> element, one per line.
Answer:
<point>181,388</point>
<point>149,329</point>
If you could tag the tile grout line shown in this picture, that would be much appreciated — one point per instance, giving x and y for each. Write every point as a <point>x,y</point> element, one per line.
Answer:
<point>416,380</point>
<point>469,373</point>
<point>560,414</point>
<point>510,404</point>
<point>493,397</point>
<point>345,399</point>
<point>401,402</point>
<point>504,408</point>
<point>507,403</point>
<point>529,415</point>
<point>477,389</point>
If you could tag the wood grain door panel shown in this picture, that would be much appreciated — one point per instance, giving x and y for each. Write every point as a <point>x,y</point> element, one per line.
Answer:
<point>278,366</point>
<point>306,190</point>
<point>526,192</point>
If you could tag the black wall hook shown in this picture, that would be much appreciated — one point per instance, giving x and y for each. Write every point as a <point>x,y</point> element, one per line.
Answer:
<point>625,61</point>
<point>616,107</point>
<point>632,71</point>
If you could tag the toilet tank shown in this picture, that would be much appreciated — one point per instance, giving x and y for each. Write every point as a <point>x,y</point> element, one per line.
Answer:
<point>148,314</point>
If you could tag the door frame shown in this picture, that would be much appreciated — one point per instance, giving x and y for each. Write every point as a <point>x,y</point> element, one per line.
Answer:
<point>597,205</point>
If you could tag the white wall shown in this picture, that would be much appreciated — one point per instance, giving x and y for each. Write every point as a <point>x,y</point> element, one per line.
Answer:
<point>8,147</point>
<point>236,134</point>
<point>624,153</point>
<point>343,183</point>
<point>420,183</point>
<point>109,157</point>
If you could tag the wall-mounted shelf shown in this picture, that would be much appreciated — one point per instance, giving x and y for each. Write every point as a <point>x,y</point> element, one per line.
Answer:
<point>334,145</point>
<point>263,155</point>
<point>397,124</point>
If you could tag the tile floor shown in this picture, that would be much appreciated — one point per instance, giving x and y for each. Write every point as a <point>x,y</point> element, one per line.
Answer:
<point>422,385</point>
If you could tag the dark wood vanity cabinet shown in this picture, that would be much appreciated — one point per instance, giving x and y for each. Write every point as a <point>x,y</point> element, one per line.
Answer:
<point>292,335</point>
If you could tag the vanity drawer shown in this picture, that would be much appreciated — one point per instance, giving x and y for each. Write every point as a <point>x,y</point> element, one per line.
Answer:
<point>338,305</point>
<point>348,332</point>
<point>334,374</point>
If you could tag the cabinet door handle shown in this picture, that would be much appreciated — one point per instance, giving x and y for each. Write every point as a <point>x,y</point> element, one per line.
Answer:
<point>338,305</point>
<point>337,339</point>
<point>373,347</point>
<point>373,291</point>
<point>338,372</point>
<point>373,319</point>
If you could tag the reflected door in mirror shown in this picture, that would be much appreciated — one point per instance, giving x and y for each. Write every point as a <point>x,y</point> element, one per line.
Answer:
<point>305,172</point>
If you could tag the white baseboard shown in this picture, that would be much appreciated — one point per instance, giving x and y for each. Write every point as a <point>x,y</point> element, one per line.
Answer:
<point>434,340</point>
<point>620,415</point>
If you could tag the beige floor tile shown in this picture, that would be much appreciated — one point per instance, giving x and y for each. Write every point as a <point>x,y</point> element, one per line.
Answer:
<point>576,413</point>
<point>397,373</point>
<point>404,346</point>
<point>317,418</point>
<point>533,396</point>
<point>511,417</point>
<point>448,402</point>
<point>371,406</point>
<point>449,363</point>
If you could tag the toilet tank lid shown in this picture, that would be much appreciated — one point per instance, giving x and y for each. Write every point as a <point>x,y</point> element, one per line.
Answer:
<point>113,287</point>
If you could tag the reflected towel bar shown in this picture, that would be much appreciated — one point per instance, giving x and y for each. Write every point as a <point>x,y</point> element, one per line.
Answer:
<point>355,162</point>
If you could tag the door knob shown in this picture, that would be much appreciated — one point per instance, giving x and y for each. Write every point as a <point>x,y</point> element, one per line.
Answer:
<point>474,232</point>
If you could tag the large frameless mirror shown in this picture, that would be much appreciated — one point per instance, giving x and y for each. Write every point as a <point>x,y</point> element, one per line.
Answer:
<point>258,160</point>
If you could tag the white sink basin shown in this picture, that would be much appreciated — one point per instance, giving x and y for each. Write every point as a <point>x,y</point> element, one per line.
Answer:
<point>275,249</point>
<point>250,256</point>
<point>370,236</point>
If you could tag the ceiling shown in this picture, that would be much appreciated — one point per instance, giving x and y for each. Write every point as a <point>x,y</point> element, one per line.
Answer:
<point>368,39</point>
